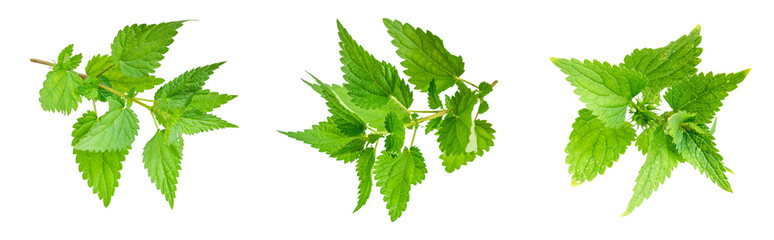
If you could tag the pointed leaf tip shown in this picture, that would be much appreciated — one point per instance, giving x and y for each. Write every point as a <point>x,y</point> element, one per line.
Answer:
<point>553,59</point>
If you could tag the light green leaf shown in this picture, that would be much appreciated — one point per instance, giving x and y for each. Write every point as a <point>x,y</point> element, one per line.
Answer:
<point>644,139</point>
<point>162,155</point>
<point>394,141</point>
<point>138,48</point>
<point>699,150</point>
<point>348,122</point>
<point>455,130</point>
<point>667,65</point>
<point>100,170</point>
<point>371,83</point>
<point>661,160</point>
<point>328,138</point>
<point>365,166</point>
<point>175,95</point>
<point>206,101</point>
<point>123,83</point>
<point>99,64</point>
<point>113,131</point>
<point>594,147</point>
<point>424,57</point>
<point>702,94</point>
<point>484,135</point>
<point>395,174</point>
<point>195,121</point>
<point>66,61</point>
<point>607,90</point>
<point>456,161</point>
<point>60,91</point>
<point>374,117</point>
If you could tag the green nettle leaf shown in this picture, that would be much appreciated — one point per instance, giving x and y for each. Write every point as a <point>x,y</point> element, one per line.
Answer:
<point>607,90</point>
<point>698,149</point>
<point>348,122</point>
<point>100,169</point>
<point>195,121</point>
<point>113,131</point>
<point>370,83</point>
<point>365,167</point>
<point>424,57</point>
<point>162,156</point>
<point>455,129</point>
<point>601,133</point>
<point>662,159</point>
<point>666,65</point>
<point>594,147</point>
<point>395,174</point>
<point>60,90</point>
<point>394,141</point>
<point>137,49</point>
<point>702,94</point>
<point>207,101</point>
<point>101,143</point>
<point>374,104</point>
<point>173,98</point>
<point>328,138</point>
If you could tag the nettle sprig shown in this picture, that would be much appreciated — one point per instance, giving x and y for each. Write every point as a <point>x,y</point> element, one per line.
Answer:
<point>633,88</point>
<point>375,104</point>
<point>101,142</point>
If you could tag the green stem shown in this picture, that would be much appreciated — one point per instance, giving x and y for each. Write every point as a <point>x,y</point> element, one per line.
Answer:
<point>143,99</point>
<point>431,117</point>
<point>424,111</point>
<point>415,135</point>
<point>94,104</point>
<point>466,81</point>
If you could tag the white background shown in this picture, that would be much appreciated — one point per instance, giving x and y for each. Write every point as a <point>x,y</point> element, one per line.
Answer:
<point>253,182</point>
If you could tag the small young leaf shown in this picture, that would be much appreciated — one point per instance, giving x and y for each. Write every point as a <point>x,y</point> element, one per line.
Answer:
<point>60,90</point>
